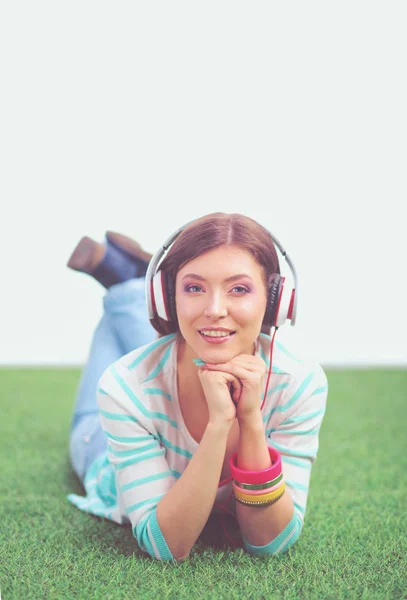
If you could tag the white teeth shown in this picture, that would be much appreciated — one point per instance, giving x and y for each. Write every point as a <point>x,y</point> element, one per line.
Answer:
<point>212,333</point>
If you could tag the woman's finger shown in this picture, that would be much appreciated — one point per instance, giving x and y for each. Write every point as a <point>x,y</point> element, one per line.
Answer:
<point>240,372</point>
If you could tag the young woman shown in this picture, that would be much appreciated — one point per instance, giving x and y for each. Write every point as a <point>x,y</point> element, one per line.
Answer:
<point>209,415</point>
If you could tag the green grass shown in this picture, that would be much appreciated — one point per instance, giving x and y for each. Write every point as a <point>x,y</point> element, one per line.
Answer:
<point>353,544</point>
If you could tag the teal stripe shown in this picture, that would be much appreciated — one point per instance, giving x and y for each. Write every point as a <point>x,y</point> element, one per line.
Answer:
<point>291,451</point>
<point>300,508</point>
<point>102,392</point>
<point>149,349</point>
<point>157,392</point>
<point>295,432</point>
<point>176,474</point>
<point>268,431</point>
<point>296,462</point>
<point>285,351</point>
<point>273,546</point>
<point>153,500</point>
<point>292,400</point>
<point>133,450</point>
<point>116,417</point>
<point>176,449</point>
<point>297,394</point>
<point>137,403</point>
<point>127,440</point>
<point>269,414</point>
<point>164,551</point>
<point>160,365</point>
<point>280,386</point>
<point>148,540</point>
<point>303,417</point>
<point>140,532</point>
<point>138,459</point>
<point>297,486</point>
<point>144,480</point>
<point>275,369</point>
<point>86,504</point>
<point>294,537</point>
<point>320,390</point>
<point>140,528</point>
<point>146,544</point>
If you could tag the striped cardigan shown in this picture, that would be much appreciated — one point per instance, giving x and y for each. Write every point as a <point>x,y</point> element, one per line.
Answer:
<point>149,446</point>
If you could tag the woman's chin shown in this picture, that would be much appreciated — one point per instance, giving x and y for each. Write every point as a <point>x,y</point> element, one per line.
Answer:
<point>217,356</point>
<point>214,353</point>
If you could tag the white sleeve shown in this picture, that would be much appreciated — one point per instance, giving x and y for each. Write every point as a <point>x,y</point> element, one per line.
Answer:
<point>138,458</point>
<point>296,435</point>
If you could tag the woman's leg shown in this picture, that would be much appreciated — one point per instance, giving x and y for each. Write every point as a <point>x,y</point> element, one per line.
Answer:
<point>127,309</point>
<point>123,328</point>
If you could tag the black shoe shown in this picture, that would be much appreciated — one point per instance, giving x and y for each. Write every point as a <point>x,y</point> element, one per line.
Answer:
<point>131,248</point>
<point>106,263</point>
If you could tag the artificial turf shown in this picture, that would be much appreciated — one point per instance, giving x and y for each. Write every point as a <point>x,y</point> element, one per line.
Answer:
<point>353,545</point>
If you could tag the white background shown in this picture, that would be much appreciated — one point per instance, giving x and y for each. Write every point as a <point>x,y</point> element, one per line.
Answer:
<point>139,116</point>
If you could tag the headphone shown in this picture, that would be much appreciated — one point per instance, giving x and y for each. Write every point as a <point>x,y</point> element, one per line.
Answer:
<point>160,289</point>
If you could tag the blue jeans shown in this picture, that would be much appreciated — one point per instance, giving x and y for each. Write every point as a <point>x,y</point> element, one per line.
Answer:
<point>123,327</point>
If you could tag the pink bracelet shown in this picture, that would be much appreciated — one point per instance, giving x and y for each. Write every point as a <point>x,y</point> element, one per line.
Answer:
<point>258,492</point>
<point>262,476</point>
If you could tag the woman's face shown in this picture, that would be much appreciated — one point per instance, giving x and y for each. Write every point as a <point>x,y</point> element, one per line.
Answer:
<point>221,300</point>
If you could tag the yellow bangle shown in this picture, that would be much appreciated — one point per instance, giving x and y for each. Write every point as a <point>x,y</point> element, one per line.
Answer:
<point>261,497</point>
<point>259,504</point>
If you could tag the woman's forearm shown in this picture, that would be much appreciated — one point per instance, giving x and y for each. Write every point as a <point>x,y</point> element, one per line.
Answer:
<point>259,526</point>
<point>184,510</point>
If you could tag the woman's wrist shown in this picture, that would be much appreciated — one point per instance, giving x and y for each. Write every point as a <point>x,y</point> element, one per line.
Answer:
<point>219,426</point>
<point>252,421</point>
<point>253,449</point>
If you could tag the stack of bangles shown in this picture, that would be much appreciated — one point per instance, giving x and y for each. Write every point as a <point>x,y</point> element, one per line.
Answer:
<point>258,488</point>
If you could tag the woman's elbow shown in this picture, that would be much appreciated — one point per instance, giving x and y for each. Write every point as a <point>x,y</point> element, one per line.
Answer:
<point>161,552</point>
<point>285,540</point>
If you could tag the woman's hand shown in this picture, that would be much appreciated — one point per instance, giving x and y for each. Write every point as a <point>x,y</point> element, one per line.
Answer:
<point>218,387</point>
<point>246,374</point>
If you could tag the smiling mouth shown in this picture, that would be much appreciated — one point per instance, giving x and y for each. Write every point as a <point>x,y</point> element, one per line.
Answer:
<point>213,333</point>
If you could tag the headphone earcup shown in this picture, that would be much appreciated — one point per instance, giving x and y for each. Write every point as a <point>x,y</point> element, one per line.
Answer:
<point>280,303</point>
<point>170,297</point>
<point>163,296</point>
<point>273,300</point>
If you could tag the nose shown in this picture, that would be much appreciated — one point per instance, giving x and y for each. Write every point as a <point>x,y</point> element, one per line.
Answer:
<point>216,307</point>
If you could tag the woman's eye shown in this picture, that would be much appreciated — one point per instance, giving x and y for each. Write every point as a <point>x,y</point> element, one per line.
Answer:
<point>240,289</point>
<point>193,288</point>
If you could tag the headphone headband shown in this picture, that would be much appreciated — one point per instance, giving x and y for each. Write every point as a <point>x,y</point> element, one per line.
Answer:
<point>162,251</point>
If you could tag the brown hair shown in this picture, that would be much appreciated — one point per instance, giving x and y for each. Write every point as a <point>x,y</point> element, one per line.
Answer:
<point>209,232</point>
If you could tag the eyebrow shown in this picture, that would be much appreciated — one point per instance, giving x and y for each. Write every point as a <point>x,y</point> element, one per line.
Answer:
<point>232,278</point>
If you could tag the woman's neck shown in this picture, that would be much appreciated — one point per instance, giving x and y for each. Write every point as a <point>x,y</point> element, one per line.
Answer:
<point>185,356</point>
<point>187,372</point>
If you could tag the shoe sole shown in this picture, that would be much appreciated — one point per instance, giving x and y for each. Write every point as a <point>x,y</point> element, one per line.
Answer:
<point>86,256</point>
<point>129,245</point>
